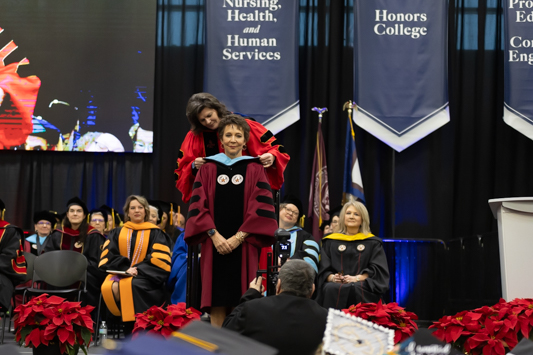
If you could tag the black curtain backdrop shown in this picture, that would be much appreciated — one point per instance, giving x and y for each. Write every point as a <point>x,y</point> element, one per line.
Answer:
<point>438,188</point>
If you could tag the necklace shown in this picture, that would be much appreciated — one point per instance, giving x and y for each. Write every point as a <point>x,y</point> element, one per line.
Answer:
<point>138,247</point>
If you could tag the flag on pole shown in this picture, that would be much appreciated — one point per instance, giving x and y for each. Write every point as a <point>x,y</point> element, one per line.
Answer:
<point>353,183</point>
<point>319,190</point>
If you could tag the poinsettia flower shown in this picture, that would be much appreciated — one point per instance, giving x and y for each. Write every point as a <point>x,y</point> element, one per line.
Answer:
<point>51,318</point>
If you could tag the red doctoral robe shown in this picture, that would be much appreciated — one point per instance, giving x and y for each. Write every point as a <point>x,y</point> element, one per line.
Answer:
<point>217,203</point>
<point>261,141</point>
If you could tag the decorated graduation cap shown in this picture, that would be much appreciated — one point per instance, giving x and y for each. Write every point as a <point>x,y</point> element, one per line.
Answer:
<point>525,347</point>
<point>2,210</point>
<point>45,216</point>
<point>197,338</point>
<point>76,201</point>
<point>346,334</point>
<point>424,343</point>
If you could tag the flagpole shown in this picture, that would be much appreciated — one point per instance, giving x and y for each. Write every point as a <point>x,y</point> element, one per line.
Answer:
<point>320,111</point>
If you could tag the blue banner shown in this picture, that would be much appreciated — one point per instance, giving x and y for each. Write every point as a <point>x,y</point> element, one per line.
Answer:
<point>251,58</point>
<point>518,66</point>
<point>401,69</point>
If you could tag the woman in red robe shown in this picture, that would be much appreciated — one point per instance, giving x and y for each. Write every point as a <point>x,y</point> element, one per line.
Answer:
<point>232,215</point>
<point>204,112</point>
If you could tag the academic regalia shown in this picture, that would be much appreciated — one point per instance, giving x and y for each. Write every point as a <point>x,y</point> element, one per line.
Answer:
<point>65,238</point>
<point>352,255</point>
<point>35,244</point>
<point>304,247</point>
<point>207,143</point>
<point>146,247</point>
<point>230,196</point>
<point>177,281</point>
<point>12,261</point>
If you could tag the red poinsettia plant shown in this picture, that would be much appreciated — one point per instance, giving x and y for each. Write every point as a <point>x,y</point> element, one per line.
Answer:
<point>160,321</point>
<point>45,320</point>
<point>388,315</point>
<point>488,330</point>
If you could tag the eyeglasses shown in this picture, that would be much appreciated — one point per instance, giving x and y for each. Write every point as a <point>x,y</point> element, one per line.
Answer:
<point>44,224</point>
<point>97,220</point>
<point>291,211</point>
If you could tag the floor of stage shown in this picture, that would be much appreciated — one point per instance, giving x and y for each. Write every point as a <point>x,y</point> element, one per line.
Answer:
<point>9,338</point>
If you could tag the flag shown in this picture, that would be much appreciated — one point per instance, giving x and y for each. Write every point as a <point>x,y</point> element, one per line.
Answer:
<point>319,190</point>
<point>353,183</point>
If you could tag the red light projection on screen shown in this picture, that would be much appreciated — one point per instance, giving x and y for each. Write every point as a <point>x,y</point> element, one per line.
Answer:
<point>17,100</point>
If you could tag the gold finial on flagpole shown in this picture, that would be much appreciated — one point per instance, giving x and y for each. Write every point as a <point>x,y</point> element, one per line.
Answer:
<point>348,105</point>
<point>320,111</point>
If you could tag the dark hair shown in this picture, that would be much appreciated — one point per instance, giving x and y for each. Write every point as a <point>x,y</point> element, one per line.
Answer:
<point>142,201</point>
<point>83,228</point>
<point>237,121</point>
<point>197,103</point>
<point>297,276</point>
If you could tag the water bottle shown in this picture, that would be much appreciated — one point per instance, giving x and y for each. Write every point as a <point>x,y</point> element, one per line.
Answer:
<point>103,331</point>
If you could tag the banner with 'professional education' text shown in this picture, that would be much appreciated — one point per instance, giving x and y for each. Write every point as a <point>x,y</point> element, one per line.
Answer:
<point>518,66</point>
<point>251,58</point>
<point>400,69</point>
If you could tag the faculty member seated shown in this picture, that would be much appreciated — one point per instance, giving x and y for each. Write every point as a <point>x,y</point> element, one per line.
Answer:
<point>289,321</point>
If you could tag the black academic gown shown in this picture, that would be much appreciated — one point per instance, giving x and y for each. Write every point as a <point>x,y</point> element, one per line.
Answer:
<point>65,238</point>
<point>363,254</point>
<point>12,261</point>
<point>306,248</point>
<point>147,248</point>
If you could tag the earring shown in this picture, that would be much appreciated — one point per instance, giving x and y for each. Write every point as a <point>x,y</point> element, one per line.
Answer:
<point>244,147</point>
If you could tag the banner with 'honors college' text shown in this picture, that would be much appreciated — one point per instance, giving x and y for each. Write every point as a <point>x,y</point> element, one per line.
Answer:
<point>400,69</point>
<point>518,67</point>
<point>251,58</point>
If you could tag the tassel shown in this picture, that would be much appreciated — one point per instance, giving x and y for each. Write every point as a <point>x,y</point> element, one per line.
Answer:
<point>171,214</point>
<point>302,220</point>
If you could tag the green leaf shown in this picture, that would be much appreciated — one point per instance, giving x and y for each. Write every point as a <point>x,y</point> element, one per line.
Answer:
<point>86,335</point>
<point>24,333</point>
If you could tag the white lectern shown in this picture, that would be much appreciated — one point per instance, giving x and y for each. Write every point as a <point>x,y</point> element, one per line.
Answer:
<point>515,235</point>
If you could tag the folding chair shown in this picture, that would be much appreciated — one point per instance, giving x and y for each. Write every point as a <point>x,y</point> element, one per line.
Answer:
<point>60,269</point>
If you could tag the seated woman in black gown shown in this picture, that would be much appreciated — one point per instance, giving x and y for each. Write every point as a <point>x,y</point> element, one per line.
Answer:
<point>232,215</point>
<point>353,267</point>
<point>142,250</point>
<point>76,234</point>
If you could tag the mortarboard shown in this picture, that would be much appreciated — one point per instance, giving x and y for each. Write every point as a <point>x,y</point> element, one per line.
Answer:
<point>168,208</point>
<point>45,216</point>
<point>227,341</point>
<point>197,338</point>
<point>116,221</point>
<point>76,201</point>
<point>425,343</point>
<point>295,201</point>
<point>346,334</point>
